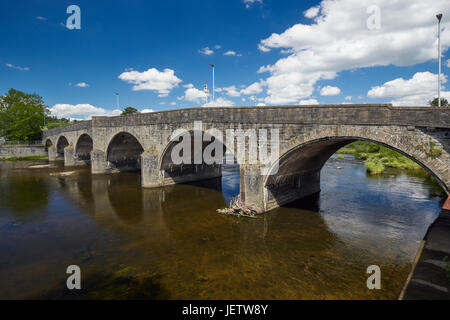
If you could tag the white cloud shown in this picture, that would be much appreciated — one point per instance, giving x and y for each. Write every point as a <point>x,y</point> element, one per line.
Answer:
<point>173,103</point>
<point>448,63</point>
<point>193,94</point>
<point>263,49</point>
<point>206,51</point>
<point>330,91</point>
<point>308,102</point>
<point>41,18</point>
<point>417,91</point>
<point>348,98</point>
<point>80,111</point>
<point>9,65</point>
<point>248,3</point>
<point>82,85</point>
<point>312,12</point>
<point>232,53</point>
<point>338,39</point>
<point>219,102</point>
<point>261,104</point>
<point>152,79</point>
<point>231,91</point>
<point>147,110</point>
<point>217,47</point>
<point>254,88</point>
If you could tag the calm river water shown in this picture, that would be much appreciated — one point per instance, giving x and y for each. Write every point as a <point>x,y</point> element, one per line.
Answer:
<point>170,243</point>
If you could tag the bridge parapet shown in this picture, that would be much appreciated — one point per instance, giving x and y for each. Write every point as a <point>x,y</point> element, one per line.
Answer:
<point>82,125</point>
<point>374,114</point>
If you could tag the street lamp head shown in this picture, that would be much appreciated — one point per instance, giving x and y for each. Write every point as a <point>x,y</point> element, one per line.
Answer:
<point>439,16</point>
<point>212,65</point>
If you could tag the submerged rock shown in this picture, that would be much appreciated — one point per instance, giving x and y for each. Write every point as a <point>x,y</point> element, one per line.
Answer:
<point>39,166</point>
<point>62,174</point>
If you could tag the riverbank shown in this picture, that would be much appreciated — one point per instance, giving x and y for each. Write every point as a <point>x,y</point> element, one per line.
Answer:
<point>377,158</point>
<point>22,152</point>
<point>30,158</point>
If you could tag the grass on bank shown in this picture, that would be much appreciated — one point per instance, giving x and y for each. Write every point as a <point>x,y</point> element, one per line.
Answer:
<point>30,158</point>
<point>377,157</point>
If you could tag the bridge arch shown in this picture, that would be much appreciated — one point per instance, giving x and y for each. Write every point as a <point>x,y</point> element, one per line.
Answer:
<point>60,145</point>
<point>84,147</point>
<point>48,144</point>
<point>124,152</point>
<point>302,158</point>
<point>193,171</point>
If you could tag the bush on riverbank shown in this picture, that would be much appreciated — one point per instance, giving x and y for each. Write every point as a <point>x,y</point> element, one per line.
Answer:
<point>374,167</point>
<point>377,157</point>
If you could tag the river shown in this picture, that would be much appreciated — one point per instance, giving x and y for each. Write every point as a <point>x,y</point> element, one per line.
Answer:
<point>170,243</point>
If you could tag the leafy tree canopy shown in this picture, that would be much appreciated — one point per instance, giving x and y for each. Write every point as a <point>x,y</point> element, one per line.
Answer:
<point>434,102</point>
<point>21,116</point>
<point>129,110</point>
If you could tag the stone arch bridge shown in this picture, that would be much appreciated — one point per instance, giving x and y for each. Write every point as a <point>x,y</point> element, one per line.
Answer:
<point>308,136</point>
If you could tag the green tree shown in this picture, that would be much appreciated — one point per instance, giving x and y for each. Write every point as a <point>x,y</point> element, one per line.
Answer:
<point>434,102</point>
<point>53,122</point>
<point>129,110</point>
<point>21,116</point>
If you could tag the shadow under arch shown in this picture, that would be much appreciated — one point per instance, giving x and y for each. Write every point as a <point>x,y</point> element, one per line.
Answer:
<point>310,157</point>
<point>124,152</point>
<point>84,147</point>
<point>60,145</point>
<point>197,172</point>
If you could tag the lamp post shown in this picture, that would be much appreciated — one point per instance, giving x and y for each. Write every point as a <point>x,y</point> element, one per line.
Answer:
<point>439,17</point>
<point>213,82</point>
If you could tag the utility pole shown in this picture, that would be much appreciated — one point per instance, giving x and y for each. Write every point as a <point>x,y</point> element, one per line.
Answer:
<point>213,82</point>
<point>439,17</point>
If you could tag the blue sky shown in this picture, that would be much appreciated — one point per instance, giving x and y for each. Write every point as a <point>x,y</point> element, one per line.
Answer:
<point>157,54</point>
